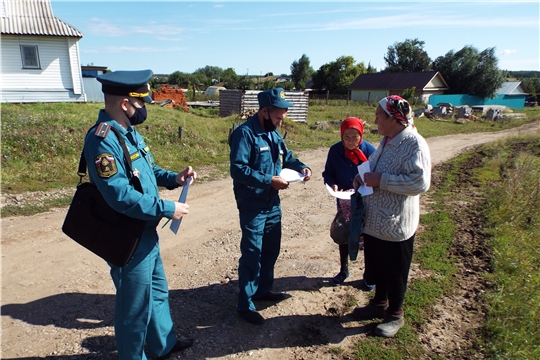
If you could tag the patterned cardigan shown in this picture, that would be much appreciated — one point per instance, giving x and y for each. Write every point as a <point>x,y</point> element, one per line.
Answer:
<point>393,210</point>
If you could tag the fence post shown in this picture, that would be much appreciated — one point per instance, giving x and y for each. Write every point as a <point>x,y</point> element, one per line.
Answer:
<point>180,131</point>
<point>327,96</point>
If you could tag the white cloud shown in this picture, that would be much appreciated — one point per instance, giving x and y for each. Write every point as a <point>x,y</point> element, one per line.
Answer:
<point>105,28</point>
<point>118,49</point>
<point>507,52</point>
<point>102,27</point>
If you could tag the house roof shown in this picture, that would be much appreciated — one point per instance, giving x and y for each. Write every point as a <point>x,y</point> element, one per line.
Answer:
<point>33,17</point>
<point>512,88</point>
<point>425,80</point>
<point>93,67</point>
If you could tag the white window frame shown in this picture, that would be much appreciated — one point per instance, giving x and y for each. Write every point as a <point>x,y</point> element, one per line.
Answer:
<point>35,57</point>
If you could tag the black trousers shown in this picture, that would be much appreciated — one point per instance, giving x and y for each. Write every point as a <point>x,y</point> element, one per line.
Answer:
<point>389,263</point>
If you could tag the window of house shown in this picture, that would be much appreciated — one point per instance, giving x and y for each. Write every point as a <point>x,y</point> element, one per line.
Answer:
<point>30,57</point>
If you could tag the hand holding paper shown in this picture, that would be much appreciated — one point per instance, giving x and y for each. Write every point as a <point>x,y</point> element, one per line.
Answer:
<point>345,195</point>
<point>175,225</point>
<point>362,169</point>
<point>291,175</point>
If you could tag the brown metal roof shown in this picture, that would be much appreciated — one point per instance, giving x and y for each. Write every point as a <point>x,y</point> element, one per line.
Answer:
<point>395,81</point>
<point>33,17</point>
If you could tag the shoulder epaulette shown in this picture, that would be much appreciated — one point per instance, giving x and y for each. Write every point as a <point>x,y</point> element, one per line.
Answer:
<point>102,130</point>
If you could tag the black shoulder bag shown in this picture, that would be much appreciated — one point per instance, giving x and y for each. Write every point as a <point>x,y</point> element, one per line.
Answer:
<point>92,223</point>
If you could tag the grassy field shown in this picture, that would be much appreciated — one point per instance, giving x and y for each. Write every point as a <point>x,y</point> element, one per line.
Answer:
<point>513,212</point>
<point>506,179</point>
<point>41,144</point>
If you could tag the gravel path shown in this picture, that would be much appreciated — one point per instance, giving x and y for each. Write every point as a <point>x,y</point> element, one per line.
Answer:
<point>57,298</point>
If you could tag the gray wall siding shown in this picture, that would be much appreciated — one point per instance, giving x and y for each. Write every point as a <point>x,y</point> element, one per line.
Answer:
<point>75,66</point>
<point>367,95</point>
<point>238,101</point>
<point>59,78</point>
<point>92,89</point>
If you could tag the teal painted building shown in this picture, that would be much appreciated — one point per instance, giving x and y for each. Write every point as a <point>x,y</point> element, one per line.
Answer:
<point>511,94</point>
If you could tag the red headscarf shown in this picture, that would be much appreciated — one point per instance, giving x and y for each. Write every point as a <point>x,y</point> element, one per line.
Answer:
<point>355,155</point>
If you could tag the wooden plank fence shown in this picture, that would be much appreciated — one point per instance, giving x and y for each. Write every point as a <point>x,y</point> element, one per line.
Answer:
<point>241,101</point>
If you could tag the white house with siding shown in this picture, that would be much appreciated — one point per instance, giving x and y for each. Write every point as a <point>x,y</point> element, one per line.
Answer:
<point>39,54</point>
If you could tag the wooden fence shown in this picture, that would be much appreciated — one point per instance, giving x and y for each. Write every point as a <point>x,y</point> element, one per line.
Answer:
<point>241,101</point>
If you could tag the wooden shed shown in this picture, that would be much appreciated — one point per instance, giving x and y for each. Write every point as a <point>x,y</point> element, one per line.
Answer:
<point>241,101</point>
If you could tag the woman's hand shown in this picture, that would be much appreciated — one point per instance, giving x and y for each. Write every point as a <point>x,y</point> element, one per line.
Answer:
<point>372,179</point>
<point>357,182</point>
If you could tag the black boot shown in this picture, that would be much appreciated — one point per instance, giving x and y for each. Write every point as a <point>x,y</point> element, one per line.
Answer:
<point>344,261</point>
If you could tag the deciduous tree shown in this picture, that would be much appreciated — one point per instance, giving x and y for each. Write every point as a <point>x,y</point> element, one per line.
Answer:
<point>178,78</point>
<point>229,78</point>
<point>407,56</point>
<point>338,75</point>
<point>471,72</point>
<point>533,86</point>
<point>210,73</point>
<point>301,71</point>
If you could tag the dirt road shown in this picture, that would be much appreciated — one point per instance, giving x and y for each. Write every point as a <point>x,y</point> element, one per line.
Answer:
<point>57,298</point>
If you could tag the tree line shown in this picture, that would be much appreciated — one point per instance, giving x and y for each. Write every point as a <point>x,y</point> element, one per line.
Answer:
<point>467,71</point>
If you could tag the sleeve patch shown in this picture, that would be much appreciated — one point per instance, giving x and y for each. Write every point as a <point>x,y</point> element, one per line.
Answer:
<point>105,165</point>
<point>102,130</point>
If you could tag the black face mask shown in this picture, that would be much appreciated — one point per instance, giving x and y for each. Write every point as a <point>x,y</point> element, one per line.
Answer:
<point>139,116</point>
<point>268,124</point>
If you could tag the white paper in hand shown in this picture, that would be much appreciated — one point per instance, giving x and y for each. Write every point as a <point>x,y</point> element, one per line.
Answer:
<point>291,175</point>
<point>175,224</point>
<point>344,195</point>
<point>362,169</point>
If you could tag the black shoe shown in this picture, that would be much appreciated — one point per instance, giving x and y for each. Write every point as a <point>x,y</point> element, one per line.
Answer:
<point>340,278</point>
<point>364,286</point>
<point>252,317</point>
<point>179,346</point>
<point>272,296</point>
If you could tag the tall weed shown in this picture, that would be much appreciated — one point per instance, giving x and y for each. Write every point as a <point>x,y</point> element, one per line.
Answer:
<point>514,215</point>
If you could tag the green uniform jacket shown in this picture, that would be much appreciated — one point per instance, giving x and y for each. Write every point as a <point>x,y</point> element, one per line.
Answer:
<point>256,156</point>
<point>108,171</point>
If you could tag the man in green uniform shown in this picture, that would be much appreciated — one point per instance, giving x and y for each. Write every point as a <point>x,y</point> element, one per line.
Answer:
<point>142,315</point>
<point>258,154</point>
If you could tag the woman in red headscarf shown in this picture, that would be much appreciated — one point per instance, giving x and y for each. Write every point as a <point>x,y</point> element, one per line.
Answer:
<point>339,173</point>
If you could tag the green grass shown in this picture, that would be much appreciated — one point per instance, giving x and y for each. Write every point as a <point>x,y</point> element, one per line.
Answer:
<point>509,181</point>
<point>431,251</point>
<point>513,213</point>
<point>28,210</point>
<point>41,143</point>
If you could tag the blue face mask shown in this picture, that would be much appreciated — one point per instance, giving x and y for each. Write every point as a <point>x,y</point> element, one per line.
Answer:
<point>139,116</point>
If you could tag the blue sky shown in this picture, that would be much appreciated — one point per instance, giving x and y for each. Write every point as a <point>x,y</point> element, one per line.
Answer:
<point>259,37</point>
